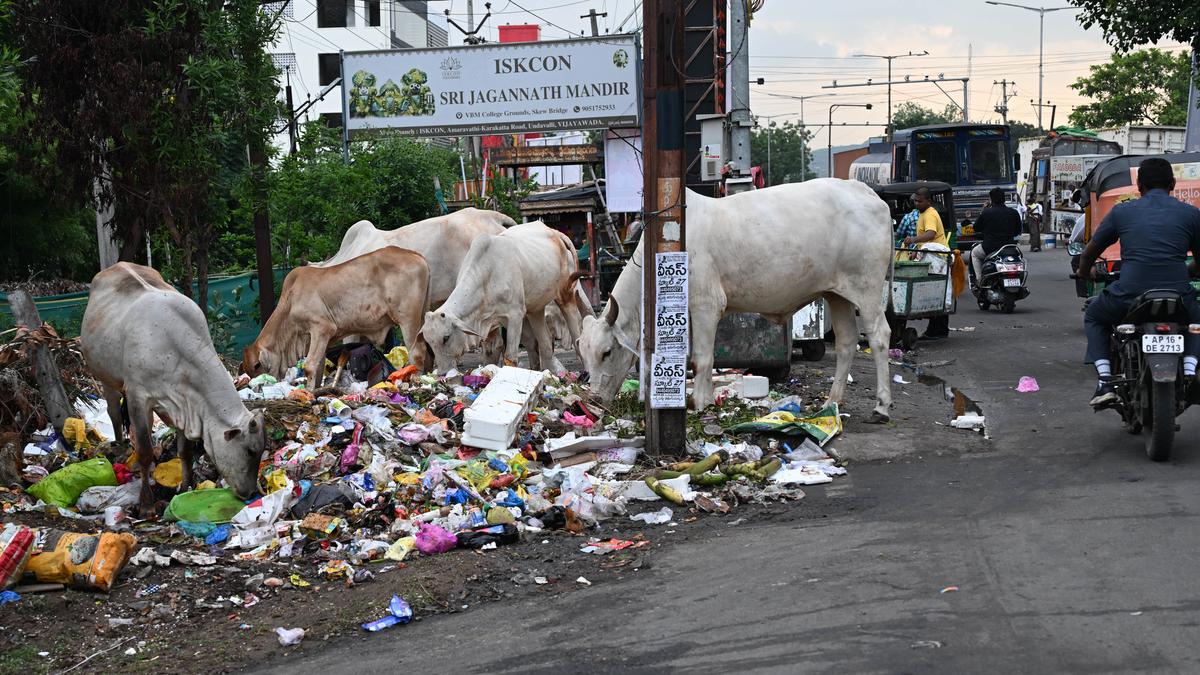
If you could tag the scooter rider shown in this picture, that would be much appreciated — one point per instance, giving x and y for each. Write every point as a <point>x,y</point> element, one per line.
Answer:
<point>1156,233</point>
<point>998,225</point>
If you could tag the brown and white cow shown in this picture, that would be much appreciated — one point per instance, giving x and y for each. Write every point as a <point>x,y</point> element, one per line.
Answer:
<point>142,337</point>
<point>365,295</point>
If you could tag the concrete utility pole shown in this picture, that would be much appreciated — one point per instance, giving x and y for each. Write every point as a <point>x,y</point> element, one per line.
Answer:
<point>471,37</point>
<point>1191,134</point>
<point>889,58</point>
<point>663,213</point>
<point>593,16</point>
<point>1003,107</point>
<point>740,121</point>
<point>1041,11</point>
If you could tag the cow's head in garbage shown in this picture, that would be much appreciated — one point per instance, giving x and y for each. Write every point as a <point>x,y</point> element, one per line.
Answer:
<point>257,359</point>
<point>237,450</point>
<point>606,351</point>
<point>449,337</point>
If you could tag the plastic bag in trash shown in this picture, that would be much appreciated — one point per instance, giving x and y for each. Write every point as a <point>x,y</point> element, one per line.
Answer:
<point>289,636</point>
<point>16,544</point>
<point>63,487</point>
<point>217,505</point>
<point>432,539</point>
<point>398,613</point>
<point>82,561</point>
<point>658,517</point>
<point>505,533</point>
<point>99,497</point>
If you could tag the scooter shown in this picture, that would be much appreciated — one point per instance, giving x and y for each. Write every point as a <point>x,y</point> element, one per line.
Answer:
<point>1004,279</point>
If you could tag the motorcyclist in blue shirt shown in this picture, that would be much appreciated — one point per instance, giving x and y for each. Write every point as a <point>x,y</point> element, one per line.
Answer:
<point>1156,233</point>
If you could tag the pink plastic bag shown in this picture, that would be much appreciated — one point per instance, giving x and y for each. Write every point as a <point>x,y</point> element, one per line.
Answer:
<point>432,540</point>
<point>582,421</point>
<point>1027,385</point>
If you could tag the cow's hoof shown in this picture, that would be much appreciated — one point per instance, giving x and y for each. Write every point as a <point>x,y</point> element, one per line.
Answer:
<point>878,418</point>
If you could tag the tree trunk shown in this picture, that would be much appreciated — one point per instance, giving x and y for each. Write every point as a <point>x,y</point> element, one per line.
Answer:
<point>202,279</point>
<point>185,276</point>
<point>48,378</point>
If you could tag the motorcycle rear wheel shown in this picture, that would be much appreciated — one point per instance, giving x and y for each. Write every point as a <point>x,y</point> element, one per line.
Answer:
<point>1008,305</point>
<point>1160,424</point>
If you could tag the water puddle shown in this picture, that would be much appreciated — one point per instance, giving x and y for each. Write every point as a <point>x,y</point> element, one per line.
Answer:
<point>962,403</point>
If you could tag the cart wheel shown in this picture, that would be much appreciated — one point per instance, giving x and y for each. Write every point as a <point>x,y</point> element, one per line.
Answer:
<point>984,304</point>
<point>812,350</point>
<point>910,338</point>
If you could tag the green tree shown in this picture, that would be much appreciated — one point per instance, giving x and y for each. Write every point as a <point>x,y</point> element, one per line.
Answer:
<point>782,150</point>
<point>910,114</point>
<point>1128,25</point>
<point>1019,130</point>
<point>1149,86</point>
<point>153,101</point>
<point>316,196</point>
<point>44,234</point>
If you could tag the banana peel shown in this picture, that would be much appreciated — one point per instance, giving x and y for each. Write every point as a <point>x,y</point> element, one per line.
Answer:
<point>665,491</point>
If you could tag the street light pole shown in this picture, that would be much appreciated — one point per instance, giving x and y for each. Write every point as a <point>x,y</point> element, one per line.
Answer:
<point>1041,11</point>
<point>803,131</point>
<point>770,126</point>
<point>829,135</point>
<point>889,58</point>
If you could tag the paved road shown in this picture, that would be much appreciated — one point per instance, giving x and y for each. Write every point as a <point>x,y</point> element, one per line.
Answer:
<point>1071,551</point>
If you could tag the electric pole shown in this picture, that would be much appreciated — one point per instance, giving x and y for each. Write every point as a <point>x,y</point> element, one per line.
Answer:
<point>889,58</point>
<point>593,16</point>
<point>1041,12</point>
<point>1003,107</point>
<point>740,121</point>
<point>471,37</point>
<point>664,371</point>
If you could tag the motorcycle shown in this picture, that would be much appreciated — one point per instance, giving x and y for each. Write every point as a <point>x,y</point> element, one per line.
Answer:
<point>1149,349</point>
<point>1003,281</point>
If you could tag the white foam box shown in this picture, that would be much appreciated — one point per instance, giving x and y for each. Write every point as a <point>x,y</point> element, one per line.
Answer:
<point>753,386</point>
<point>492,420</point>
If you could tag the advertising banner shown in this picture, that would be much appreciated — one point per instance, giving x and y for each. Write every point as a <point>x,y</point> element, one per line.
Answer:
<point>494,88</point>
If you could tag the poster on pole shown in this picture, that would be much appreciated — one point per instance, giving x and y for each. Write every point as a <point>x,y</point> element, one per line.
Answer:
<point>668,381</point>
<point>557,85</point>
<point>671,305</point>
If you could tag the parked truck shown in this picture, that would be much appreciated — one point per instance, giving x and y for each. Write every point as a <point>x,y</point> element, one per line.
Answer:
<point>1142,139</point>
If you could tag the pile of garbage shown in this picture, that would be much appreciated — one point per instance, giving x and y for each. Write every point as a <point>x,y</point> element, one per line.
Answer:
<point>360,476</point>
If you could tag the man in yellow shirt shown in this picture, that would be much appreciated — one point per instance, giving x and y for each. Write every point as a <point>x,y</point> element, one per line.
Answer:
<point>929,224</point>
<point>930,230</point>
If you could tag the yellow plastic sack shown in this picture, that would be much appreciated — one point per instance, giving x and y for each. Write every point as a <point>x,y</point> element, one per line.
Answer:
<point>276,480</point>
<point>82,561</point>
<point>398,357</point>
<point>169,474</point>
<point>399,550</point>
<point>76,433</point>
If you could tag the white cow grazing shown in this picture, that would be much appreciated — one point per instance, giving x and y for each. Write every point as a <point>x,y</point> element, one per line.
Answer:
<point>769,251</point>
<point>443,241</point>
<point>142,337</point>
<point>505,280</point>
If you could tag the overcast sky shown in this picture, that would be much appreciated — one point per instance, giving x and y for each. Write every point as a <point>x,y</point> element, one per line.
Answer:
<point>799,45</point>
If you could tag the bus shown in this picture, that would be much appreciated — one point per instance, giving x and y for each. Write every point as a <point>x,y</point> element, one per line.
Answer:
<point>971,158</point>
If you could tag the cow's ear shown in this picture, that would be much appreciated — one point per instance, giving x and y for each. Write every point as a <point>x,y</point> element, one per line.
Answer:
<point>462,325</point>
<point>625,342</point>
<point>231,434</point>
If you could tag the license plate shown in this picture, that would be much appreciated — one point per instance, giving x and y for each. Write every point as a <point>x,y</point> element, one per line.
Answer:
<point>1012,282</point>
<point>1162,344</point>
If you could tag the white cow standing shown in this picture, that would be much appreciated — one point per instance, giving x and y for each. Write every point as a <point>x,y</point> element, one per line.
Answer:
<point>506,280</point>
<point>768,251</point>
<point>442,240</point>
